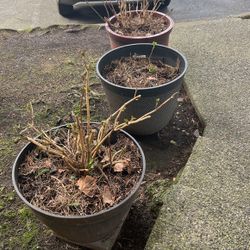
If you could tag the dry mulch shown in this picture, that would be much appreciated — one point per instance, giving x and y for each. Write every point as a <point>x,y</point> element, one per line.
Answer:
<point>140,72</point>
<point>46,181</point>
<point>139,24</point>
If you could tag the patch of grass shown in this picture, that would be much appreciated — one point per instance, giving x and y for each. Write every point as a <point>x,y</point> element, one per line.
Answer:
<point>1,205</point>
<point>44,114</point>
<point>6,196</point>
<point>24,213</point>
<point>31,230</point>
<point>18,229</point>
<point>9,214</point>
<point>6,150</point>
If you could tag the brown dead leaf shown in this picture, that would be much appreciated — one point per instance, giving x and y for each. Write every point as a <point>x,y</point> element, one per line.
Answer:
<point>47,163</point>
<point>105,159</point>
<point>107,196</point>
<point>121,165</point>
<point>60,170</point>
<point>87,184</point>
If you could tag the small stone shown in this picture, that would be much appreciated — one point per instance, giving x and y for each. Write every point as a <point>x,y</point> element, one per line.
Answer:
<point>196,133</point>
<point>173,142</point>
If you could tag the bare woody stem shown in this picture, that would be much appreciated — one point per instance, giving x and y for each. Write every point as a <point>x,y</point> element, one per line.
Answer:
<point>82,144</point>
<point>88,136</point>
<point>54,152</point>
<point>115,115</point>
<point>123,125</point>
<point>147,115</point>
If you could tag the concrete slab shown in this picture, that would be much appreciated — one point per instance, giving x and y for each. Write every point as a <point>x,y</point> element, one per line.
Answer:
<point>219,165</point>
<point>209,207</point>
<point>185,10</point>
<point>218,53</point>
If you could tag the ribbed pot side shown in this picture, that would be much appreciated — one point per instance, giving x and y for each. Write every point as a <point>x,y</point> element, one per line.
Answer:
<point>117,40</point>
<point>91,230</point>
<point>118,95</point>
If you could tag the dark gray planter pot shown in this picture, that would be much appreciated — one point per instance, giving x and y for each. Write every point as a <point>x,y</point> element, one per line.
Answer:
<point>97,231</point>
<point>118,95</point>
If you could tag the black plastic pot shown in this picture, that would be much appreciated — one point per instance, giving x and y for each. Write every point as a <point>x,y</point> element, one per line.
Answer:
<point>117,95</point>
<point>97,231</point>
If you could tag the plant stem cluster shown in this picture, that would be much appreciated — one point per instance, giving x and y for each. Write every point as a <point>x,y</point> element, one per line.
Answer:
<point>80,149</point>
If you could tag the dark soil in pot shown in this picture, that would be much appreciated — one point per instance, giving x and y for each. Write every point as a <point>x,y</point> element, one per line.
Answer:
<point>141,23</point>
<point>46,182</point>
<point>140,72</point>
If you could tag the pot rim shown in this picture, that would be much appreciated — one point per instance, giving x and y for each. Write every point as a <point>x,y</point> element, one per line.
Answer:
<point>147,88</point>
<point>37,209</point>
<point>170,27</point>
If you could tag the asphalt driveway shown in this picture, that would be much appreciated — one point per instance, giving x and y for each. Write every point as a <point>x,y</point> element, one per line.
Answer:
<point>27,14</point>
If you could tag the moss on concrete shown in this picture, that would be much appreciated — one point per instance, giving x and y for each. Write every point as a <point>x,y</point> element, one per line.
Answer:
<point>6,150</point>
<point>18,229</point>
<point>156,192</point>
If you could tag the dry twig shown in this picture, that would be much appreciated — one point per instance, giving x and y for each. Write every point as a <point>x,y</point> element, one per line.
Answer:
<point>83,143</point>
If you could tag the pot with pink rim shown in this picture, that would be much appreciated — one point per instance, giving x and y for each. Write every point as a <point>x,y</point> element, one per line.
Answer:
<point>117,39</point>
